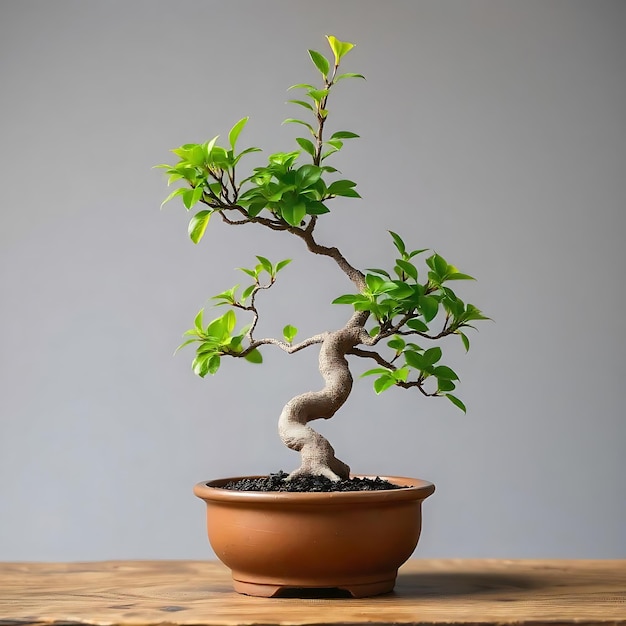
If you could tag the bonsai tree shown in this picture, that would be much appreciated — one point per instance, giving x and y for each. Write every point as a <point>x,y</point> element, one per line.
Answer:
<point>396,311</point>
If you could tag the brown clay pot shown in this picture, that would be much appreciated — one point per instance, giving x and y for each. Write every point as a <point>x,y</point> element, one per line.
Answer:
<point>355,541</point>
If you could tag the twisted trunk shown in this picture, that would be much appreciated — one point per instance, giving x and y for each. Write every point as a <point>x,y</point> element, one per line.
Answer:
<point>317,455</point>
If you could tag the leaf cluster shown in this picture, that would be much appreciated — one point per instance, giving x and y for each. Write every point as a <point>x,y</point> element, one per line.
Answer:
<point>403,302</point>
<point>287,190</point>
<point>219,337</point>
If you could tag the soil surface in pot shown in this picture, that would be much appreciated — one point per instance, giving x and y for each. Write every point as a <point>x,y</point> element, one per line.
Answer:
<point>279,482</point>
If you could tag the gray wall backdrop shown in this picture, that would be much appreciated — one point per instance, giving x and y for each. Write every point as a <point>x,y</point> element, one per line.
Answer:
<point>493,132</point>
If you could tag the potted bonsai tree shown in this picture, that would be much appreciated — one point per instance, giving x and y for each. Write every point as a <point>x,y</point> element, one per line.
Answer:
<point>398,318</point>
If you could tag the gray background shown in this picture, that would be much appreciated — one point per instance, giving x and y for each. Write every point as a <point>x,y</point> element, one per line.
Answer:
<point>493,132</point>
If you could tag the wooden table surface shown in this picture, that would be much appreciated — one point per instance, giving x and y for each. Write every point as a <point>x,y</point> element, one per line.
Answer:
<point>200,593</point>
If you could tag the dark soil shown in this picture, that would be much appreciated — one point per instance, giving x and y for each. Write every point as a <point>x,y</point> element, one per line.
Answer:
<point>278,482</point>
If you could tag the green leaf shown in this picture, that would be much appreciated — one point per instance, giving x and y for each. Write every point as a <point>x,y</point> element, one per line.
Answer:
<point>213,363</point>
<point>378,271</point>
<point>302,103</point>
<point>390,286</point>
<point>459,276</point>
<point>432,355</point>
<point>342,184</point>
<point>320,61</point>
<point>339,48</point>
<point>220,158</point>
<point>230,321</point>
<point>456,402</point>
<point>307,175</point>
<point>294,214</point>
<point>416,360</point>
<point>397,343</point>
<point>216,188</point>
<point>255,208</point>
<point>349,75</point>
<point>347,193</point>
<point>465,340</point>
<point>176,192</point>
<point>289,332</point>
<point>438,264</point>
<point>445,385</point>
<point>373,282</point>
<point>301,86</point>
<point>335,143</point>
<point>401,290</point>
<point>247,291</point>
<point>472,313</point>
<point>254,356</point>
<point>265,263</point>
<point>342,188</point>
<point>397,240</point>
<point>249,272</point>
<point>383,383</point>
<point>185,343</point>
<point>400,375</point>
<point>173,177</point>
<point>198,224</point>
<point>209,145</point>
<point>291,120</point>
<point>343,134</point>
<point>416,252</point>
<point>191,197</point>
<point>306,145</point>
<point>417,325</point>
<point>200,365</point>
<point>442,371</point>
<point>196,156</point>
<point>348,298</point>
<point>197,322</point>
<point>228,295</point>
<point>235,131</point>
<point>244,152</point>
<point>216,330</point>
<point>281,264</point>
<point>429,307</point>
<point>317,94</point>
<point>375,371</point>
<point>235,343</point>
<point>408,268</point>
<point>316,208</point>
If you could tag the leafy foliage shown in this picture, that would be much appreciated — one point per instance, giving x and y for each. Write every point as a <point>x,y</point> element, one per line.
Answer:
<point>403,305</point>
<point>411,300</point>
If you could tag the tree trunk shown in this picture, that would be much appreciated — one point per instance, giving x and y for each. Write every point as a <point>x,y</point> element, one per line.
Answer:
<point>317,455</point>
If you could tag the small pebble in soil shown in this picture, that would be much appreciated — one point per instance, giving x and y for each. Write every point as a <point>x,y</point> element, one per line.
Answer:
<point>279,482</point>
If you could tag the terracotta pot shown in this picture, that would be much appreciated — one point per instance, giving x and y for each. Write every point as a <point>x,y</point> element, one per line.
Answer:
<point>354,541</point>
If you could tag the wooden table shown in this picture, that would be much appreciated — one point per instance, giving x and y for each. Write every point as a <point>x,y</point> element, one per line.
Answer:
<point>428,592</point>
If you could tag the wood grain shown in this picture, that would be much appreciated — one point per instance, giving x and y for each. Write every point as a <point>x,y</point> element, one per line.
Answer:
<point>428,592</point>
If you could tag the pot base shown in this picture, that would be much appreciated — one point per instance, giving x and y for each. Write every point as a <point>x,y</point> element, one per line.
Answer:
<point>356,589</point>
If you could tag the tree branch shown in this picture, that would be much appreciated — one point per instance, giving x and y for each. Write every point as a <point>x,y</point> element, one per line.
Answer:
<point>286,347</point>
<point>356,276</point>
<point>368,340</point>
<point>369,354</point>
<point>419,383</point>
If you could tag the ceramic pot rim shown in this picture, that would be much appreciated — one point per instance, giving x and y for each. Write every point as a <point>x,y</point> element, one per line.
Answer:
<point>412,489</point>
